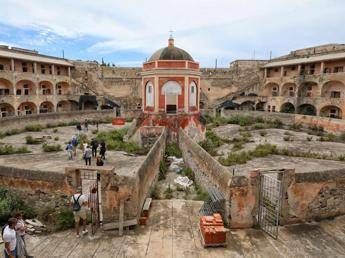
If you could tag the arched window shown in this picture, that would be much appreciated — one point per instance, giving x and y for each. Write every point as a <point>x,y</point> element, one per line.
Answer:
<point>149,95</point>
<point>192,94</point>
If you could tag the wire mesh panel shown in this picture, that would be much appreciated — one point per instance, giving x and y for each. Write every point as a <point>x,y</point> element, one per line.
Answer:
<point>270,204</point>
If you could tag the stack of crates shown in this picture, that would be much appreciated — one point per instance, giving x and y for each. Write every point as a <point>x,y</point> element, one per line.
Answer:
<point>212,230</point>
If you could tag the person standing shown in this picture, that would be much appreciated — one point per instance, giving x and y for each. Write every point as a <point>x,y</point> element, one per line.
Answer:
<point>94,146</point>
<point>20,234</point>
<point>86,125</point>
<point>79,204</point>
<point>102,150</point>
<point>88,155</point>
<point>74,142</point>
<point>10,239</point>
<point>69,149</point>
<point>78,128</point>
<point>99,161</point>
<point>93,205</point>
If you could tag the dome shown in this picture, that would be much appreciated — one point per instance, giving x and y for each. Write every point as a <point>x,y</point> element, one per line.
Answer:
<point>171,53</point>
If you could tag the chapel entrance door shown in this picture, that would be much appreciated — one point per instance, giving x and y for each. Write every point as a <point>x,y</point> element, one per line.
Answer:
<point>171,103</point>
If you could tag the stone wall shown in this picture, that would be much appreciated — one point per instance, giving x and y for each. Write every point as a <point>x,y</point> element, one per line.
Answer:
<point>32,180</point>
<point>316,195</point>
<point>329,124</point>
<point>9,123</point>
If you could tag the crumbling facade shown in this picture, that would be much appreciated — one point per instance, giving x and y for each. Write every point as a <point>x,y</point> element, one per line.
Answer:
<point>308,81</point>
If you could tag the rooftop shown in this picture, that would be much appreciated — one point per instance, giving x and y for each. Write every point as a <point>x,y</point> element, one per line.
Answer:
<point>31,55</point>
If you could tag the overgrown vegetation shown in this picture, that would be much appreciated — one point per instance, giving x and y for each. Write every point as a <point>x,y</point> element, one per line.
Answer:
<point>31,140</point>
<point>163,169</point>
<point>11,203</point>
<point>263,150</point>
<point>8,149</point>
<point>51,147</point>
<point>114,141</point>
<point>173,149</point>
<point>33,128</point>
<point>211,142</point>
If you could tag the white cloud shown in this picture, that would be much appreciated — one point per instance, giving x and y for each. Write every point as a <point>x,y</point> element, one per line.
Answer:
<point>208,29</point>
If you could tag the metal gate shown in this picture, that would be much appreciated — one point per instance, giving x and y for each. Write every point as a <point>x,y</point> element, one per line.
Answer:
<point>270,203</point>
<point>91,187</point>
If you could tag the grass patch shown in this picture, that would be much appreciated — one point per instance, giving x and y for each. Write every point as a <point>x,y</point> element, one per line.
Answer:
<point>173,150</point>
<point>8,149</point>
<point>163,169</point>
<point>155,193</point>
<point>51,147</point>
<point>31,140</point>
<point>168,193</point>
<point>33,128</point>
<point>211,142</point>
<point>114,141</point>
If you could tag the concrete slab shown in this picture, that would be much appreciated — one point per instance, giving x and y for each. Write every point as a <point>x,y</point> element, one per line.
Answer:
<point>321,239</point>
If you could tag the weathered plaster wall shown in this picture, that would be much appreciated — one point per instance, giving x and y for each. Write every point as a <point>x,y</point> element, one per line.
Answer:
<point>19,122</point>
<point>329,124</point>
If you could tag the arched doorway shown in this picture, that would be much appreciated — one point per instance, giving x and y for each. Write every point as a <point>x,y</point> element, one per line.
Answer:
<point>171,90</point>
<point>193,95</point>
<point>25,87</point>
<point>247,105</point>
<point>67,105</point>
<point>6,87</point>
<point>287,108</point>
<point>333,89</point>
<point>27,108</point>
<point>260,106</point>
<point>46,107</point>
<point>149,95</point>
<point>46,88</point>
<point>288,90</point>
<point>308,90</point>
<point>331,111</point>
<point>6,110</point>
<point>271,89</point>
<point>307,109</point>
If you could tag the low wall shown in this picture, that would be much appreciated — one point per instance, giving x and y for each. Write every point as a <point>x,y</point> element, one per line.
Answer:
<point>18,122</point>
<point>148,172</point>
<point>32,180</point>
<point>316,195</point>
<point>328,124</point>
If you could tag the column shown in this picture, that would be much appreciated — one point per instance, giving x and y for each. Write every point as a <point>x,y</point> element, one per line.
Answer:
<point>35,68</point>
<point>186,94</point>
<point>156,94</point>
<point>12,65</point>
<point>69,73</point>
<point>322,67</point>
<point>199,94</point>
<point>265,73</point>
<point>299,70</point>
<point>282,71</point>
<point>53,70</point>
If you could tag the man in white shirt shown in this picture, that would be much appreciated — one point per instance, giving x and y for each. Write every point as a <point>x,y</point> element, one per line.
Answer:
<point>79,203</point>
<point>10,239</point>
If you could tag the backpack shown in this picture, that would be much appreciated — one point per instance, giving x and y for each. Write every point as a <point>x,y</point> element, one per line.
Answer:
<point>76,204</point>
<point>2,231</point>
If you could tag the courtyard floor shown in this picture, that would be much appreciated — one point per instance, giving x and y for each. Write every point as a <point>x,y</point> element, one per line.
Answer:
<point>173,232</point>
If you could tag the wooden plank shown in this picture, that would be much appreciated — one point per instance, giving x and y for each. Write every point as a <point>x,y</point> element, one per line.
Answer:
<point>147,204</point>
<point>121,214</point>
<point>116,225</point>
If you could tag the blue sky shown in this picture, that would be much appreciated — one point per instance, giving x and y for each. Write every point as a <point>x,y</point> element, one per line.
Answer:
<point>127,32</point>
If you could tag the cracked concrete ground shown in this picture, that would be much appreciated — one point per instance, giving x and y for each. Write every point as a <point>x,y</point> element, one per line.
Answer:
<point>173,232</point>
<point>57,161</point>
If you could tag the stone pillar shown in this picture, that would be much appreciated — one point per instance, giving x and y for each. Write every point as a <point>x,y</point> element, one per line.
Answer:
<point>53,70</point>
<point>287,178</point>
<point>35,68</point>
<point>265,73</point>
<point>121,214</point>
<point>282,72</point>
<point>199,94</point>
<point>322,68</point>
<point>156,94</point>
<point>12,65</point>
<point>186,94</point>
<point>299,70</point>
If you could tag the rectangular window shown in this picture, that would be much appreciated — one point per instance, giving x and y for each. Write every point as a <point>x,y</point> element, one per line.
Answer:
<point>338,69</point>
<point>327,70</point>
<point>1,67</point>
<point>276,70</point>
<point>335,94</point>
<point>43,69</point>
<point>58,71</point>
<point>24,67</point>
<point>293,68</point>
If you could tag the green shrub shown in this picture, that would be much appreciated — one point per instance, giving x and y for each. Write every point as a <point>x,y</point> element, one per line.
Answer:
<point>242,120</point>
<point>11,203</point>
<point>235,158</point>
<point>206,119</point>
<point>309,139</point>
<point>33,128</point>
<point>64,219</point>
<point>287,133</point>
<point>51,147</point>
<point>173,150</point>
<point>155,193</point>
<point>55,130</point>
<point>258,126</point>
<point>168,193</point>
<point>295,126</point>
<point>288,138</point>
<point>31,140</point>
<point>163,169</point>
<point>188,172</point>
<point>263,150</point>
<point>276,123</point>
<point>201,195</point>
<point>8,149</point>
<point>56,138</point>
<point>237,146</point>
